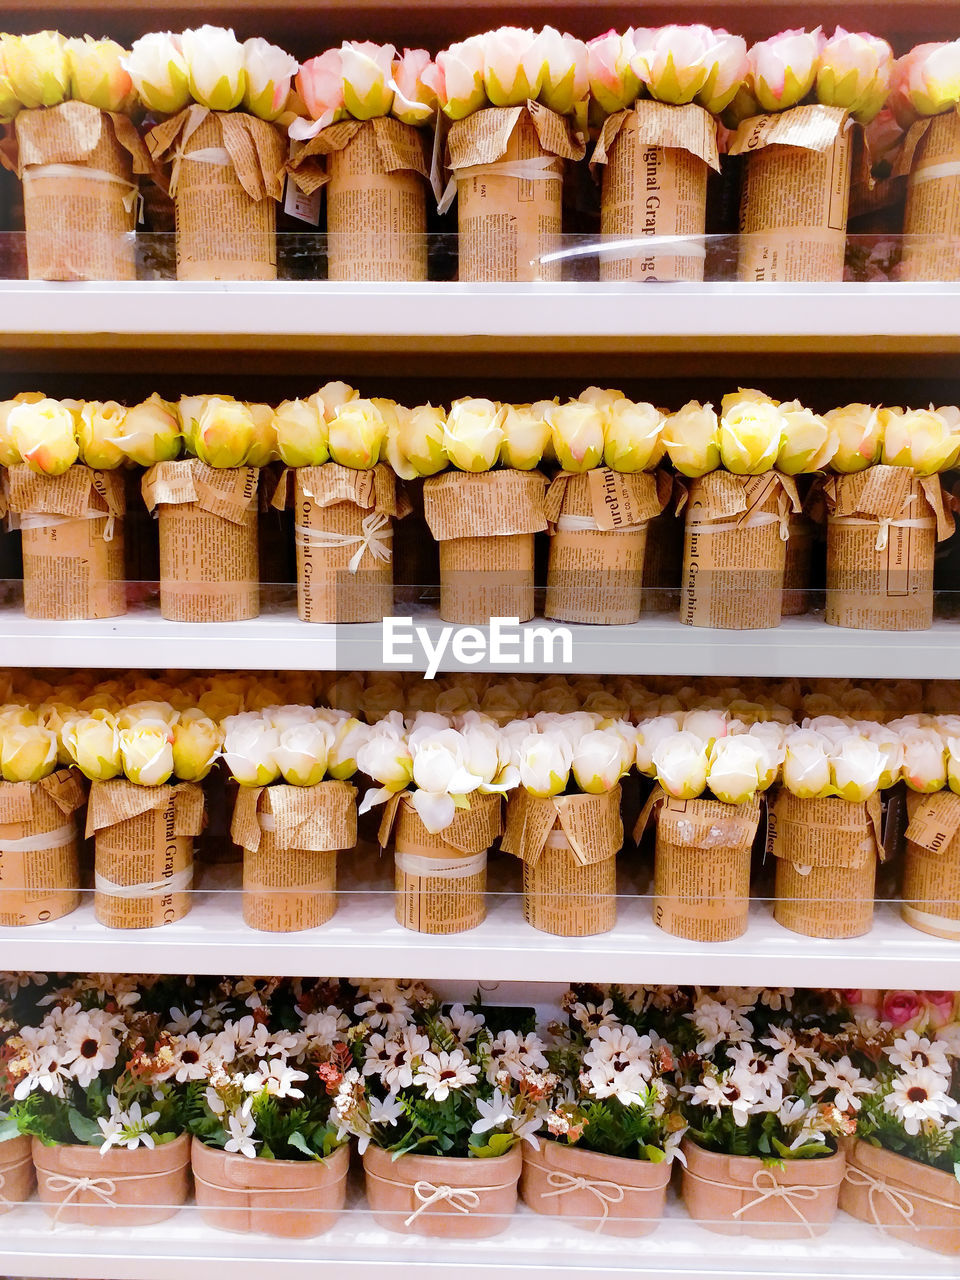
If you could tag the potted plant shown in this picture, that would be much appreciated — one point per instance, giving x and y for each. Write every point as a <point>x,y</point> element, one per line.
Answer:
<point>18,995</point>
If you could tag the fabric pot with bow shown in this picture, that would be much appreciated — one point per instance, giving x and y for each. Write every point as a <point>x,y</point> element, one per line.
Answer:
<point>741,1196</point>
<point>288,1198</point>
<point>120,1188</point>
<point>449,1197</point>
<point>602,1193</point>
<point>16,1173</point>
<point>902,1197</point>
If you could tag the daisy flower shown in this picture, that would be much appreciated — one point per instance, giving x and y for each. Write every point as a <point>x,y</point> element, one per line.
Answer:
<point>918,1096</point>
<point>442,1071</point>
<point>846,1080</point>
<point>385,1007</point>
<point>914,1051</point>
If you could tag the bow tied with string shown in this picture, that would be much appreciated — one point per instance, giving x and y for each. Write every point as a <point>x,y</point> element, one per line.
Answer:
<point>606,1193</point>
<point>461,1199</point>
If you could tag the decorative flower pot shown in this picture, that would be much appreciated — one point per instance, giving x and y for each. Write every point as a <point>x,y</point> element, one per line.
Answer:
<point>120,1188</point>
<point>289,1198</point>
<point>39,848</point>
<point>16,1173</point>
<point>903,1197</point>
<point>449,1197</point>
<point>740,1196</point>
<point>930,897</point>
<point>612,1194</point>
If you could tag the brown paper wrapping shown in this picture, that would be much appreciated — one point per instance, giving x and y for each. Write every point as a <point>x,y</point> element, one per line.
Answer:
<point>73,567</point>
<point>734,550</point>
<point>826,852</point>
<point>451,899</point>
<point>933,203</point>
<point>290,837</point>
<point>701,879</point>
<point>508,216</point>
<point>596,574</point>
<point>226,212</point>
<point>795,196</point>
<point>655,160</point>
<point>209,571</point>
<point>144,838</point>
<point>39,882</point>
<point>904,1198</point>
<point>798,567</point>
<point>485,524</point>
<point>931,868</point>
<point>354,510</point>
<point>882,529</point>
<point>568,845</point>
<point>376,175</point>
<point>79,224</point>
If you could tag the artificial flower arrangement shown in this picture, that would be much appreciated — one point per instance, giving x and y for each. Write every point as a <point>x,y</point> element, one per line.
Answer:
<point>20,994</point>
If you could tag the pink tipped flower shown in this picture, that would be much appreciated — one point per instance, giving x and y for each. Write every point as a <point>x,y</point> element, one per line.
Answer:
<point>320,85</point>
<point>855,71</point>
<point>513,65</point>
<point>414,100</point>
<point>566,80</point>
<point>926,81</point>
<point>783,69</point>
<point>367,76</point>
<point>940,1005</point>
<point>673,62</point>
<point>728,71</point>
<point>457,78</point>
<point>614,84</point>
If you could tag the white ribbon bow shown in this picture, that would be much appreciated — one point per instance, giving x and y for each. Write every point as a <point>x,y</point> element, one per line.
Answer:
<point>103,1188</point>
<point>459,1198</point>
<point>607,1193</point>
<point>768,1188</point>
<point>203,155</point>
<point>376,536</point>
<point>897,1199</point>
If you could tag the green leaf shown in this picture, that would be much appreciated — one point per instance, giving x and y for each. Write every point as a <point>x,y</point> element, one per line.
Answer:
<point>654,1154</point>
<point>956,1170</point>
<point>299,1143</point>
<point>84,1129</point>
<point>498,1144</point>
<point>8,1128</point>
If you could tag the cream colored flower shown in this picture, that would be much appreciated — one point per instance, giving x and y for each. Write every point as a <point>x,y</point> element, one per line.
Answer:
<point>147,752</point>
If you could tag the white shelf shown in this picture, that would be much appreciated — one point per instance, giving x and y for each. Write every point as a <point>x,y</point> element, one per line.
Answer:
<point>531,1246</point>
<point>657,645</point>
<point>924,317</point>
<point>363,938</point>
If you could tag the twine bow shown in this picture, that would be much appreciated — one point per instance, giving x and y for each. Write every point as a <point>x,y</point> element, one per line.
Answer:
<point>375,536</point>
<point>768,1188</point>
<point>899,1200</point>
<point>103,1188</point>
<point>607,1193</point>
<point>459,1198</point>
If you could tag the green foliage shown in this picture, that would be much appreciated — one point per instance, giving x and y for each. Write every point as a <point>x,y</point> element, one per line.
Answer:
<point>934,1146</point>
<point>617,1130</point>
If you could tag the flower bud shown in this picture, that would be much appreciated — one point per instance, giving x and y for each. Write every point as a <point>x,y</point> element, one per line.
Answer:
<point>215,67</point>
<point>544,761</point>
<point>513,66</point>
<point>920,439</point>
<point>44,433</point>
<point>728,69</point>
<point>457,78</point>
<point>222,433</point>
<point>100,423</point>
<point>249,747</point>
<point>386,757</point>
<point>420,438</point>
<point>473,433</point>
<point>577,434</point>
<point>196,745</point>
<point>680,760</point>
<point>784,68</point>
<point>525,436</point>
<point>631,436</point>
<point>302,753</point>
<point>856,767</point>
<point>147,752</point>
<point>9,453</point>
<point>27,752</point>
<point>692,438</point>
<point>738,764</point>
<point>855,72</point>
<point>301,434</point>
<point>597,761</point>
<point>808,441</point>
<point>93,743</point>
<point>97,75</point>
<point>349,736</point>
<point>356,434</point>
<point>414,100</point>
<point>806,767</point>
<point>859,436</point>
<point>269,71</point>
<point>157,67</point>
<point>37,68</point>
<point>673,62</point>
<point>926,81</point>
<point>648,735</point>
<point>367,70</point>
<point>924,760</point>
<point>566,81</point>
<point>614,84</point>
<point>750,436</point>
<point>320,85</point>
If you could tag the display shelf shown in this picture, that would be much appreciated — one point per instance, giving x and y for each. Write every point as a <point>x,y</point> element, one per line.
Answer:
<point>364,938</point>
<point>657,645</point>
<point>531,1246</point>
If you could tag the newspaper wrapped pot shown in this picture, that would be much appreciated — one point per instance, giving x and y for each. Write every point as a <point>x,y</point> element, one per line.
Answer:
<point>930,898</point>
<point>209,570</point>
<point>17,1178</point>
<point>609,1194</point>
<point>292,1199</point>
<point>121,1188</point>
<point>931,223</point>
<point>441,879</point>
<point>701,878</point>
<point>795,196</point>
<point>72,533</point>
<point>226,176</point>
<point>39,861</point>
<point>446,1197</point>
<point>80,193</point>
<point>485,524</point>
<point>507,175</point>
<point>826,852</point>
<point>598,523</point>
<point>144,851</point>
<point>798,567</point>
<point>655,159</point>
<point>903,1197</point>
<point>734,550</point>
<point>376,174</point>
<point>568,845</point>
<point>290,837</point>
<point>882,530</point>
<point>743,1196</point>
<point>343,524</point>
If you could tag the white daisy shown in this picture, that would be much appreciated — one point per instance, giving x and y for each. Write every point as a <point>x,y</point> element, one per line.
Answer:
<point>493,1114</point>
<point>128,1129</point>
<point>788,1049</point>
<point>192,1057</point>
<point>90,1046</point>
<point>716,1022</point>
<point>442,1071</point>
<point>241,1126</point>
<point>915,1051</point>
<point>464,1022</point>
<point>918,1096</point>
<point>515,1054</point>
<point>386,1006</point>
<point>848,1082</point>
<point>181,1022</point>
<point>592,1017</point>
<point>388,1111</point>
<point>277,1077</point>
<point>326,1028</point>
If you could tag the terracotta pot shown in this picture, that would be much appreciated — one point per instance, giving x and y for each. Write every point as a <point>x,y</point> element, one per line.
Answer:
<point>117,1189</point>
<point>16,1173</point>
<point>612,1194</point>
<point>740,1196</point>
<point>903,1197</point>
<point>290,1198</point>
<point>446,1196</point>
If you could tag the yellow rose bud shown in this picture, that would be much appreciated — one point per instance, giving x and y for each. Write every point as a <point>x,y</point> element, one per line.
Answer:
<point>196,744</point>
<point>473,433</point>
<point>808,442</point>
<point>96,74</point>
<point>27,752</point>
<point>9,453</point>
<point>918,438</point>
<point>632,436</point>
<point>147,752</point>
<point>391,452</point>
<point>744,395</point>
<point>692,437</point>
<point>55,716</point>
<point>331,397</point>
<point>525,436</point>
<point>264,447</point>
<point>356,434</point>
<point>45,435</point>
<point>100,424</point>
<point>37,68</point>
<point>576,429</point>
<point>859,436</point>
<point>301,434</point>
<point>600,397</point>
<point>93,744</point>
<point>9,102</point>
<point>224,434</point>
<point>750,435</point>
<point>420,438</point>
<point>145,709</point>
<point>150,432</point>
